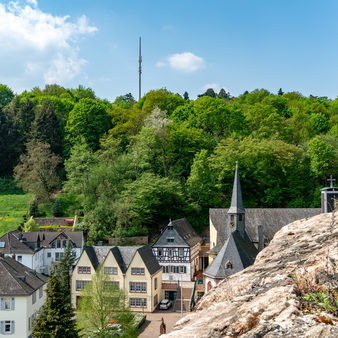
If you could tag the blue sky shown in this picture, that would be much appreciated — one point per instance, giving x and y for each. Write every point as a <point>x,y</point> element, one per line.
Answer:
<point>187,45</point>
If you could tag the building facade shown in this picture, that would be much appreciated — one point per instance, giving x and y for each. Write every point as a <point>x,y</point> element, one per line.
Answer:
<point>39,250</point>
<point>177,251</point>
<point>131,269</point>
<point>22,293</point>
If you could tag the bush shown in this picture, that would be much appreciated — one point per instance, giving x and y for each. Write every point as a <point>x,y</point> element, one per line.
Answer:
<point>31,225</point>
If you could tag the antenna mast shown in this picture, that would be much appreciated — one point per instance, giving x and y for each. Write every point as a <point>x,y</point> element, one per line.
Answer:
<point>139,70</point>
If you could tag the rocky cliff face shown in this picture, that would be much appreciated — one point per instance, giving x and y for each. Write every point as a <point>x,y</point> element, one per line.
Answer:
<point>272,298</point>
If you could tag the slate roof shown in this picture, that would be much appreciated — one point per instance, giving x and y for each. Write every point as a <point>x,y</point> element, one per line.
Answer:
<point>182,233</point>
<point>18,280</point>
<point>149,259</point>
<point>123,256</point>
<point>12,245</point>
<point>238,251</point>
<point>271,219</point>
<point>236,206</point>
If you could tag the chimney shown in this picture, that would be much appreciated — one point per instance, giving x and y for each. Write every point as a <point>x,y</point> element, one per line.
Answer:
<point>20,237</point>
<point>260,238</point>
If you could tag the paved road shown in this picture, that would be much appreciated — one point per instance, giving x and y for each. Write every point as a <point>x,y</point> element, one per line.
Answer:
<point>151,327</point>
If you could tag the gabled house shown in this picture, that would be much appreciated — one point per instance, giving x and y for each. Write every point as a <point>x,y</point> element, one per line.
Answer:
<point>132,269</point>
<point>39,250</point>
<point>238,251</point>
<point>21,296</point>
<point>177,251</point>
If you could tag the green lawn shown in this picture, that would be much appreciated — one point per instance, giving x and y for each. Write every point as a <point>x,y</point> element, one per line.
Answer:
<point>12,208</point>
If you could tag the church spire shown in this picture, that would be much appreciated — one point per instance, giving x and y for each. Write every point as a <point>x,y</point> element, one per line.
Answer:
<point>236,206</point>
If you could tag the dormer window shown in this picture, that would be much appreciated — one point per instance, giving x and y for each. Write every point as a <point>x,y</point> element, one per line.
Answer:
<point>228,265</point>
<point>170,239</point>
<point>170,227</point>
<point>232,218</point>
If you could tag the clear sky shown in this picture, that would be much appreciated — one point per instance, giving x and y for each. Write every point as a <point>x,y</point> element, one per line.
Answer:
<point>187,45</point>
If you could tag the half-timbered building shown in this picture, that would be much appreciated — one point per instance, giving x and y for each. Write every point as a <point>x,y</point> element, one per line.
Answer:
<point>177,251</point>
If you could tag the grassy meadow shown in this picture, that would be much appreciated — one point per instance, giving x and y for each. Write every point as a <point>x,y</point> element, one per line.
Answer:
<point>12,209</point>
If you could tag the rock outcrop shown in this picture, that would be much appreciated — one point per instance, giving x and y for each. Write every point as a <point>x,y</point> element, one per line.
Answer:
<point>264,299</point>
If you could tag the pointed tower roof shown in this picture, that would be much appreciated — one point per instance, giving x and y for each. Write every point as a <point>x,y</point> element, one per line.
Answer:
<point>236,206</point>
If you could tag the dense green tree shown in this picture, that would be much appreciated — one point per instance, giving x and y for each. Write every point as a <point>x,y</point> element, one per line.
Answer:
<point>322,157</point>
<point>319,124</point>
<point>209,92</point>
<point>269,168</point>
<point>63,270</point>
<point>55,318</point>
<point>163,99</point>
<point>82,92</point>
<point>280,91</point>
<point>89,119</point>
<point>6,96</point>
<point>223,94</point>
<point>46,128</point>
<point>125,101</point>
<point>99,304</point>
<point>36,171</point>
<point>78,167</point>
<point>57,208</point>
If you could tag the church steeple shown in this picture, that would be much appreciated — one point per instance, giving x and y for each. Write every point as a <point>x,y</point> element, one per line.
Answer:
<point>236,212</point>
<point>236,200</point>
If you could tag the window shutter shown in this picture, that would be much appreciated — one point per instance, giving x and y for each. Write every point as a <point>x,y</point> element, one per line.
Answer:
<point>1,304</point>
<point>13,304</point>
<point>12,327</point>
<point>2,323</point>
<point>185,269</point>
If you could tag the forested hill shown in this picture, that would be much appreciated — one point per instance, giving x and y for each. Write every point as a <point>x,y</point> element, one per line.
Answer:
<point>136,164</point>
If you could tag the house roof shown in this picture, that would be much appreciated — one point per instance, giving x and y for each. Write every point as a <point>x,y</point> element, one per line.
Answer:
<point>48,237</point>
<point>18,280</point>
<point>182,233</point>
<point>238,251</point>
<point>123,256</point>
<point>149,259</point>
<point>271,219</point>
<point>12,245</point>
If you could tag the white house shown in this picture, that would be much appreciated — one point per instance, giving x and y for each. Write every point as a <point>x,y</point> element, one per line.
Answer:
<point>21,296</point>
<point>38,250</point>
<point>177,251</point>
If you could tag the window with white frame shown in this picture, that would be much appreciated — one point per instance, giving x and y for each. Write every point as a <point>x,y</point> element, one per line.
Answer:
<point>49,254</point>
<point>40,292</point>
<point>7,326</point>
<point>137,271</point>
<point>7,303</point>
<point>183,269</point>
<point>155,283</point>
<point>110,270</point>
<point>19,258</point>
<point>170,253</point>
<point>137,287</point>
<point>138,302</point>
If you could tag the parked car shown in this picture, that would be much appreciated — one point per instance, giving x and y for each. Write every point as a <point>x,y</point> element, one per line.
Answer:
<point>165,304</point>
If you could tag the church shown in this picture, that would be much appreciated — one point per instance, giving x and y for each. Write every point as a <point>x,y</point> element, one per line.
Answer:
<point>238,234</point>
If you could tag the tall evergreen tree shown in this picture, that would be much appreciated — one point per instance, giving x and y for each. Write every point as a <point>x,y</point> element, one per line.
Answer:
<point>186,96</point>
<point>55,319</point>
<point>46,127</point>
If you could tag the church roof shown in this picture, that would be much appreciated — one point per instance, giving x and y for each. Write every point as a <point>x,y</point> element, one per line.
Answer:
<point>236,254</point>
<point>236,206</point>
<point>181,233</point>
<point>271,219</point>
